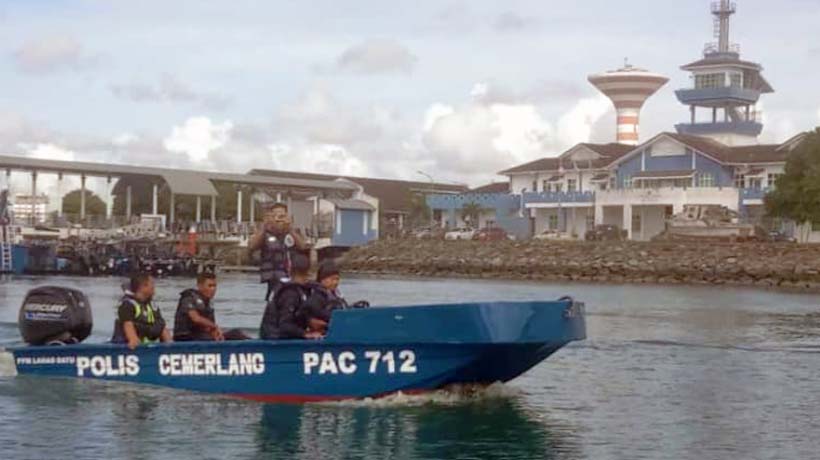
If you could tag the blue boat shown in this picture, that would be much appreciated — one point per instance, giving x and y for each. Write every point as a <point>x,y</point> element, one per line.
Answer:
<point>366,353</point>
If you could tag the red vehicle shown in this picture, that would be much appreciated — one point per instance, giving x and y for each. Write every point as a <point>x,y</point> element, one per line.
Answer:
<point>491,234</point>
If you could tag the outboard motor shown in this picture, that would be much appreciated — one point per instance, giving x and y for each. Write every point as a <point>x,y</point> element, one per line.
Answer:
<point>54,315</point>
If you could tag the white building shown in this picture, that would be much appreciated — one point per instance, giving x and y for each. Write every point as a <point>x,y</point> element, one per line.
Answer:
<point>26,206</point>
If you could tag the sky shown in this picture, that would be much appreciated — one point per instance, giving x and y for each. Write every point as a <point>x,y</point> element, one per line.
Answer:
<point>458,90</point>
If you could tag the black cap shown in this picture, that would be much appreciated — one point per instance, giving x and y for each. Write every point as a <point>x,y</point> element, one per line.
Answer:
<point>326,269</point>
<point>299,263</point>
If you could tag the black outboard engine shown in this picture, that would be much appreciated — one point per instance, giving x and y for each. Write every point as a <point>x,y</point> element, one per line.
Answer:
<point>54,315</point>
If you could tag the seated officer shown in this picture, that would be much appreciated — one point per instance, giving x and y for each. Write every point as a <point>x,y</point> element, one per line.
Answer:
<point>285,316</point>
<point>324,294</point>
<point>138,321</point>
<point>195,318</point>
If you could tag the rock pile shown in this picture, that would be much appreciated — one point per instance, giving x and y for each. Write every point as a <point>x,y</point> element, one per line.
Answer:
<point>770,265</point>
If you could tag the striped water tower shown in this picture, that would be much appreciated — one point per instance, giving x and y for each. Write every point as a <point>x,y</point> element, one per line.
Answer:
<point>628,88</point>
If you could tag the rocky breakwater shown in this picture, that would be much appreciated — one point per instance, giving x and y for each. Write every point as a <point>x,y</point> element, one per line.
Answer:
<point>752,264</point>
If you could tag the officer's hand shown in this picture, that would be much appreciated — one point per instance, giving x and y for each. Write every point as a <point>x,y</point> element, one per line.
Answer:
<point>133,344</point>
<point>217,334</point>
<point>315,324</point>
<point>314,335</point>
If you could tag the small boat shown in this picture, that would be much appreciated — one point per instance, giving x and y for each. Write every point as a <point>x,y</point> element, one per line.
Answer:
<point>367,353</point>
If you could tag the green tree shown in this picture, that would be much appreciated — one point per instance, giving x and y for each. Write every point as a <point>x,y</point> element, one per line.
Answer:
<point>94,205</point>
<point>470,212</point>
<point>420,214</point>
<point>797,192</point>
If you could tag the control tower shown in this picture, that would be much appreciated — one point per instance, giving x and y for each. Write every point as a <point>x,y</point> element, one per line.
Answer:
<point>628,88</point>
<point>727,87</point>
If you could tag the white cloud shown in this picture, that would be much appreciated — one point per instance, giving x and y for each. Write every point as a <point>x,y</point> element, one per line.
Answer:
<point>512,22</point>
<point>479,139</point>
<point>197,137</point>
<point>377,56</point>
<point>317,158</point>
<point>50,152</point>
<point>577,125</point>
<point>169,89</point>
<point>123,139</point>
<point>52,53</point>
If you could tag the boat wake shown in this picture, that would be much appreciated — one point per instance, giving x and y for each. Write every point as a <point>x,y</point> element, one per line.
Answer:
<point>7,367</point>
<point>448,396</point>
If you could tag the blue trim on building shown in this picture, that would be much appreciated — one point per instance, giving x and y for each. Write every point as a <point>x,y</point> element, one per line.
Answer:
<point>353,231</point>
<point>746,128</point>
<point>708,96</point>
<point>559,197</point>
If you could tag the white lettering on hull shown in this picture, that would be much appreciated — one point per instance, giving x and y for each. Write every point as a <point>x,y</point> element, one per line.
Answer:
<point>207,364</point>
<point>108,366</point>
<point>345,362</point>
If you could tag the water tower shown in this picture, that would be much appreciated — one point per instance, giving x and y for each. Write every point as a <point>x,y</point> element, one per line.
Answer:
<point>628,88</point>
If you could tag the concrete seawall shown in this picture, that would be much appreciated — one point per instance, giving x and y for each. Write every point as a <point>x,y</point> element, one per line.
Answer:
<point>768,265</point>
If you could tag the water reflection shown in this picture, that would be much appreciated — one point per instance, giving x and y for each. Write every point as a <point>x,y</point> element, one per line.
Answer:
<point>493,428</point>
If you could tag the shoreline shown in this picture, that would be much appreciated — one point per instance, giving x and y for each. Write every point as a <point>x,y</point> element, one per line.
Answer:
<point>780,267</point>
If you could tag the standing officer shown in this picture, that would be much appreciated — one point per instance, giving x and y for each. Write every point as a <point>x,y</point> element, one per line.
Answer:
<point>276,243</point>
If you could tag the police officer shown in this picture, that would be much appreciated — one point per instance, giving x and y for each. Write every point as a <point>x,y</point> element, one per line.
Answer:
<point>285,316</point>
<point>195,318</point>
<point>138,321</point>
<point>326,297</point>
<point>276,243</point>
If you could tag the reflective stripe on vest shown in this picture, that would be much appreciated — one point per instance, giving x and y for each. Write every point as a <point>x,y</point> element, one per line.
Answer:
<point>149,315</point>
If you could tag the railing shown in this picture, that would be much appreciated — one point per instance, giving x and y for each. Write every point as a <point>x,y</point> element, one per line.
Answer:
<point>744,95</point>
<point>751,128</point>
<point>559,197</point>
<point>754,193</point>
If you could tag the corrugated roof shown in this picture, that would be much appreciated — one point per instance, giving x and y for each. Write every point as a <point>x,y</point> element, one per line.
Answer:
<point>358,205</point>
<point>494,187</point>
<point>608,152</point>
<point>180,181</point>
<point>395,196</point>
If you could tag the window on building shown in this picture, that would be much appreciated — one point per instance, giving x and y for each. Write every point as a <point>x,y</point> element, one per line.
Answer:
<point>740,181</point>
<point>755,183</point>
<point>636,221</point>
<point>613,182</point>
<point>736,80</point>
<point>627,181</point>
<point>545,186</point>
<point>572,185</point>
<point>553,221</point>
<point>535,186</point>
<point>602,185</point>
<point>559,187</point>
<point>706,180</point>
<point>710,80</point>
<point>771,179</point>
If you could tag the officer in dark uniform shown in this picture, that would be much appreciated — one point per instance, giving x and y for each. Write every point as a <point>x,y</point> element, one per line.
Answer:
<point>276,243</point>
<point>326,297</point>
<point>285,316</point>
<point>138,321</point>
<point>195,318</point>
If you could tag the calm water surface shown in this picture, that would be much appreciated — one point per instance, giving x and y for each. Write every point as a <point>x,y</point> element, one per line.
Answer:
<point>667,372</point>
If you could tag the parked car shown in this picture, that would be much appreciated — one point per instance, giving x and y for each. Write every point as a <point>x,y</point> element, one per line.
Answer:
<point>776,236</point>
<point>606,232</point>
<point>463,233</point>
<point>429,233</point>
<point>548,235</point>
<point>491,234</point>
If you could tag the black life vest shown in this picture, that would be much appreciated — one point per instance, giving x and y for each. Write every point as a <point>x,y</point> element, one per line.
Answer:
<point>275,256</point>
<point>333,299</point>
<point>148,322</point>
<point>183,326</point>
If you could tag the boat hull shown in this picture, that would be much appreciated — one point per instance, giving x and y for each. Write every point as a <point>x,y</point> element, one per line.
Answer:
<point>409,349</point>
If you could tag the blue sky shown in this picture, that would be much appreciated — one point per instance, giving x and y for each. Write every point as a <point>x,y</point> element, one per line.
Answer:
<point>457,89</point>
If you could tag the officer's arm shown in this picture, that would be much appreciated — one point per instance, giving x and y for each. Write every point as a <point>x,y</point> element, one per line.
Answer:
<point>201,321</point>
<point>165,336</point>
<point>257,240</point>
<point>130,332</point>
